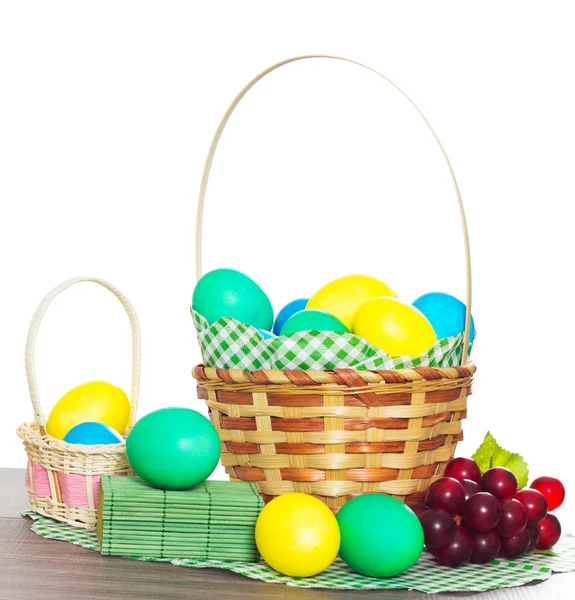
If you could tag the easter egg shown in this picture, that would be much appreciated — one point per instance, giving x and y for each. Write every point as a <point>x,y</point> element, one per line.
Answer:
<point>93,433</point>
<point>287,311</point>
<point>313,320</point>
<point>173,448</point>
<point>297,535</point>
<point>229,293</point>
<point>397,328</point>
<point>343,297</point>
<point>445,313</point>
<point>266,334</point>
<point>95,401</point>
<point>380,536</point>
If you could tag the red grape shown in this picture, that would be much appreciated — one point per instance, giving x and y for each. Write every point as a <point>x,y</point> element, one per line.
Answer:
<point>516,545</point>
<point>469,487</point>
<point>458,551</point>
<point>438,527</point>
<point>552,489</point>
<point>500,482</point>
<point>513,518</point>
<point>482,512</point>
<point>486,545</point>
<point>463,468</point>
<point>549,532</point>
<point>535,504</point>
<point>533,531</point>
<point>418,509</point>
<point>447,494</point>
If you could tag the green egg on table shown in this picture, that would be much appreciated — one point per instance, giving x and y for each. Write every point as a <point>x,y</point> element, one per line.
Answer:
<point>230,293</point>
<point>380,535</point>
<point>173,448</point>
<point>313,320</point>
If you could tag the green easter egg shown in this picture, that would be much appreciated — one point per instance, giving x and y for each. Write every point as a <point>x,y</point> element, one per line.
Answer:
<point>380,536</point>
<point>173,448</point>
<point>313,320</point>
<point>229,293</point>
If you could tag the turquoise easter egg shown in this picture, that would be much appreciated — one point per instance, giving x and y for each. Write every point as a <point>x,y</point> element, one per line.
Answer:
<point>287,311</point>
<point>91,432</point>
<point>445,313</point>
<point>229,293</point>
<point>313,320</point>
<point>173,448</point>
<point>380,536</point>
<point>266,334</point>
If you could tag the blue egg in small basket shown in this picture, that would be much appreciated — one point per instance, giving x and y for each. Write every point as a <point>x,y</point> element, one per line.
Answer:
<point>287,311</point>
<point>445,313</point>
<point>91,433</point>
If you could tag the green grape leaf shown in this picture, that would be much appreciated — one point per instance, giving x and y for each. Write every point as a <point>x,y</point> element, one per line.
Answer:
<point>500,457</point>
<point>491,454</point>
<point>518,467</point>
<point>484,453</point>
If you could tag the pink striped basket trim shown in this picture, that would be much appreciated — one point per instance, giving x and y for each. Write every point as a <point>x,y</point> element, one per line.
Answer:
<point>73,486</point>
<point>41,485</point>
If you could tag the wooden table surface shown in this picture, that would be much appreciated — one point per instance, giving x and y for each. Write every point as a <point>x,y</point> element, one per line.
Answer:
<point>33,568</point>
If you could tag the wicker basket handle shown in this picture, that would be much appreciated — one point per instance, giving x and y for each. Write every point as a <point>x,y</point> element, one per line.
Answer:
<point>226,118</point>
<point>39,416</point>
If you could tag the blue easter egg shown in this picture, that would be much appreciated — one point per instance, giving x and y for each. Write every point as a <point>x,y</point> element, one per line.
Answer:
<point>287,311</point>
<point>266,334</point>
<point>91,432</point>
<point>445,312</point>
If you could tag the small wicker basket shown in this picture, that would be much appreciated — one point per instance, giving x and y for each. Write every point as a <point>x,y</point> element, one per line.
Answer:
<point>63,479</point>
<point>336,434</point>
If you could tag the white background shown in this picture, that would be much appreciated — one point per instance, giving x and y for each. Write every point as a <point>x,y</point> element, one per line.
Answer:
<point>106,113</point>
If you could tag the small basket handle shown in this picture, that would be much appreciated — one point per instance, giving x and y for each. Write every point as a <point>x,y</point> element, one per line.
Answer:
<point>226,118</point>
<point>39,416</point>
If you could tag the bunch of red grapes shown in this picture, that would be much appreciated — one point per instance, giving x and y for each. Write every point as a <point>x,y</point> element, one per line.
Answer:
<point>467,517</point>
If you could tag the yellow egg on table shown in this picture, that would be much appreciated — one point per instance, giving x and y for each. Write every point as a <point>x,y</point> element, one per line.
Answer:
<point>297,535</point>
<point>95,401</point>
<point>395,327</point>
<point>343,297</point>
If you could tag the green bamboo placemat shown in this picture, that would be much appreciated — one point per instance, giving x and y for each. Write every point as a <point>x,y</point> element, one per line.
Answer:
<point>226,494</point>
<point>138,520</point>
<point>425,576</point>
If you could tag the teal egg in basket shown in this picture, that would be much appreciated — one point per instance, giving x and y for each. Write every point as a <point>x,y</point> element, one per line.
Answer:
<point>313,320</point>
<point>287,311</point>
<point>230,293</point>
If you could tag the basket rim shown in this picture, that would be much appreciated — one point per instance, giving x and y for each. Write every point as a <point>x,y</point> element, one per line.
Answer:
<point>336,376</point>
<point>29,432</point>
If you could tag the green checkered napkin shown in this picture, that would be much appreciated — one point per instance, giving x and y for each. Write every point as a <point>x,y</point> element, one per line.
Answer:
<point>425,576</point>
<point>229,344</point>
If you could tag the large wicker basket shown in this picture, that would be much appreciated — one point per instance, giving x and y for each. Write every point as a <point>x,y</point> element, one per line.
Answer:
<point>63,479</point>
<point>336,434</point>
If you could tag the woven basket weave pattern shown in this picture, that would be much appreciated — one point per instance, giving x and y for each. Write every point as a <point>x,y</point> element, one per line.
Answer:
<point>63,479</point>
<point>337,434</point>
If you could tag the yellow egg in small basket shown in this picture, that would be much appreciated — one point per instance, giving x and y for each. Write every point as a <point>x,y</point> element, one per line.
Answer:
<point>95,401</point>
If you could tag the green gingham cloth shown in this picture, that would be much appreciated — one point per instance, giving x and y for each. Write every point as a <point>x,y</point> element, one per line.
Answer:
<point>229,344</point>
<point>426,575</point>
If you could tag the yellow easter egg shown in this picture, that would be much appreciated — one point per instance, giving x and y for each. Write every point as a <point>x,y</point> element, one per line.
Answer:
<point>95,401</point>
<point>394,326</point>
<point>343,297</point>
<point>297,535</point>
